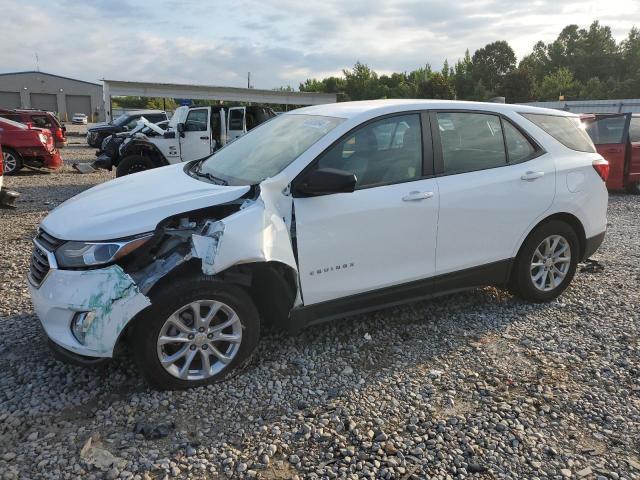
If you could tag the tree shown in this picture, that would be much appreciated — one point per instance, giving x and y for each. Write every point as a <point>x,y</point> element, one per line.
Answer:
<point>361,83</point>
<point>518,86</point>
<point>560,82</point>
<point>492,62</point>
<point>437,86</point>
<point>463,77</point>
<point>594,89</point>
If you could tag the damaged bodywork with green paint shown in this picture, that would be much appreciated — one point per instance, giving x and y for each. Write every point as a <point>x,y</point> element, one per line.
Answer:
<point>249,229</point>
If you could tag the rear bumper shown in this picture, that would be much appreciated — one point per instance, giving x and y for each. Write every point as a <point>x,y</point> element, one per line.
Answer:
<point>8,198</point>
<point>592,244</point>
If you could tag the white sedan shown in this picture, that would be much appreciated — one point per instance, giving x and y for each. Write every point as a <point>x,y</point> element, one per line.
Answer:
<point>79,119</point>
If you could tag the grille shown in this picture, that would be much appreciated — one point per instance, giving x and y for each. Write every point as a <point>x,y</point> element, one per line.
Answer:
<point>39,261</point>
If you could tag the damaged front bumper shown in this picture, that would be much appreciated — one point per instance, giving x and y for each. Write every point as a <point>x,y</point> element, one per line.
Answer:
<point>106,299</point>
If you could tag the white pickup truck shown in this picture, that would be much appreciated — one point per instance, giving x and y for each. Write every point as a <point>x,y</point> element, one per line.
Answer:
<point>192,133</point>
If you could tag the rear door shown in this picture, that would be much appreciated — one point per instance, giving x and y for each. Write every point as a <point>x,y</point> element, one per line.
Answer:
<point>634,167</point>
<point>610,135</point>
<point>237,125</point>
<point>195,141</point>
<point>494,182</point>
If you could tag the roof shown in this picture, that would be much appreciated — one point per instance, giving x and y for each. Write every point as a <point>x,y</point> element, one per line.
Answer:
<point>141,112</point>
<point>28,72</point>
<point>380,107</point>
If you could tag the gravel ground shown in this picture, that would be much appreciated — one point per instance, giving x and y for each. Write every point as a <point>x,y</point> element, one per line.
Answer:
<point>473,385</point>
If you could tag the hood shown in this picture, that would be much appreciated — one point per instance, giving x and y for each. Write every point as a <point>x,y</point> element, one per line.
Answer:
<point>105,127</point>
<point>134,204</point>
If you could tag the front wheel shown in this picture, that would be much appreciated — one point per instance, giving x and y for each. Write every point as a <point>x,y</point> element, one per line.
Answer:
<point>133,164</point>
<point>546,262</point>
<point>197,331</point>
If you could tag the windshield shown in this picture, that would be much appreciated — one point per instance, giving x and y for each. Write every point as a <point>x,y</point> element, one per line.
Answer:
<point>121,120</point>
<point>268,149</point>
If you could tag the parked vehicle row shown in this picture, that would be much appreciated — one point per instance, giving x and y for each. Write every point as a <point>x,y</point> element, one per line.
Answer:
<point>27,146</point>
<point>320,213</point>
<point>617,139</point>
<point>39,119</point>
<point>124,123</point>
<point>193,133</point>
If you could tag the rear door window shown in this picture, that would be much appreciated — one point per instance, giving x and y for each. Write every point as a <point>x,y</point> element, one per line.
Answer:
<point>606,130</point>
<point>470,141</point>
<point>519,148</point>
<point>565,129</point>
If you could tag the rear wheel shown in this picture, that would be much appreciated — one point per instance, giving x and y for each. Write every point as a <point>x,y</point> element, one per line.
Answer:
<point>11,160</point>
<point>133,164</point>
<point>197,331</point>
<point>546,262</point>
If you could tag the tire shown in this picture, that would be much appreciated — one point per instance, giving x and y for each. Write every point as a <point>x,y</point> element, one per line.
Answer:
<point>11,161</point>
<point>634,188</point>
<point>174,301</point>
<point>529,282</point>
<point>133,164</point>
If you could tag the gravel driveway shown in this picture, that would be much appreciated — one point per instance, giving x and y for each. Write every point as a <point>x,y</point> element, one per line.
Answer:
<point>476,385</point>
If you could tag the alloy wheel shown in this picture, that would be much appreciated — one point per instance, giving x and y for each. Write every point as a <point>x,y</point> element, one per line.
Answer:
<point>10,162</point>
<point>550,263</point>
<point>199,340</point>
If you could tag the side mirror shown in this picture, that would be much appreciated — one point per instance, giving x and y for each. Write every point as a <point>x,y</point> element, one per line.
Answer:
<point>169,134</point>
<point>180,129</point>
<point>325,181</point>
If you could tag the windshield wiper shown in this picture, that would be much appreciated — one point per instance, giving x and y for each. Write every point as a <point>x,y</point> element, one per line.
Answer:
<point>210,177</point>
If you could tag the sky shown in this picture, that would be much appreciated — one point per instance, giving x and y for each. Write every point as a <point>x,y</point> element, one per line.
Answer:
<point>280,42</point>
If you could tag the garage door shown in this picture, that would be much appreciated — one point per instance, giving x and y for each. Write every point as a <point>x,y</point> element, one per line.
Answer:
<point>79,104</point>
<point>10,100</point>
<point>44,101</point>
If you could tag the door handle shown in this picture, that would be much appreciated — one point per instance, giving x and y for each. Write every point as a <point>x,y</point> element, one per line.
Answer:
<point>613,150</point>
<point>531,176</point>
<point>204,138</point>
<point>415,196</point>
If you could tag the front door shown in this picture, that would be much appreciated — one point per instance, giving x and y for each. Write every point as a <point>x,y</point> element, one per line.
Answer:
<point>610,135</point>
<point>489,193</point>
<point>384,232</point>
<point>195,140</point>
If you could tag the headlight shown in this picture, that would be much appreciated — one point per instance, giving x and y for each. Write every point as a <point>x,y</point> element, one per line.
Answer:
<point>87,254</point>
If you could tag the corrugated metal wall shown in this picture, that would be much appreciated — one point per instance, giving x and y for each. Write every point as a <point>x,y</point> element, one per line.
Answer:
<point>627,105</point>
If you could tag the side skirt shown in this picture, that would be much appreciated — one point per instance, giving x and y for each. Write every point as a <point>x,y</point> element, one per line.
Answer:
<point>496,273</point>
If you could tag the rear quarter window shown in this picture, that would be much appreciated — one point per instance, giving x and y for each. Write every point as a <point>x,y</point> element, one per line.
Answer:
<point>634,129</point>
<point>566,130</point>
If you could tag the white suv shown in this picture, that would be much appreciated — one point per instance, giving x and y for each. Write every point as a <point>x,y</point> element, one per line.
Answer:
<point>317,214</point>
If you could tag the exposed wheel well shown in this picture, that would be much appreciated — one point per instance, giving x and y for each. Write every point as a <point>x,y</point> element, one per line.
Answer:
<point>272,286</point>
<point>573,222</point>
<point>149,151</point>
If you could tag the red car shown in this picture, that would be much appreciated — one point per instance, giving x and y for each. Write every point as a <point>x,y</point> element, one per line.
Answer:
<point>617,139</point>
<point>39,119</point>
<point>26,146</point>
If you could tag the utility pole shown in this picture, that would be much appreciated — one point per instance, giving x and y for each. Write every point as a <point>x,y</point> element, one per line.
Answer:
<point>37,62</point>
<point>248,79</point>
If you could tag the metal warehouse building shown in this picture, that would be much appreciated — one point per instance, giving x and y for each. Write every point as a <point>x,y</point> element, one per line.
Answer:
<point>54,93</point>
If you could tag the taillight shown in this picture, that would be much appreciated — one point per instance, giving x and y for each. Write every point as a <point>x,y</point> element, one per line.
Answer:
<point>59,134</point>
<point>601,166</point>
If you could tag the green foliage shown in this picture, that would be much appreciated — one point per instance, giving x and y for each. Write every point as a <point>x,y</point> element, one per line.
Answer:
<point>581,63</point>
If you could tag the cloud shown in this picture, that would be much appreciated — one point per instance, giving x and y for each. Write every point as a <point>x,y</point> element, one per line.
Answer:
<point>281,43</point>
